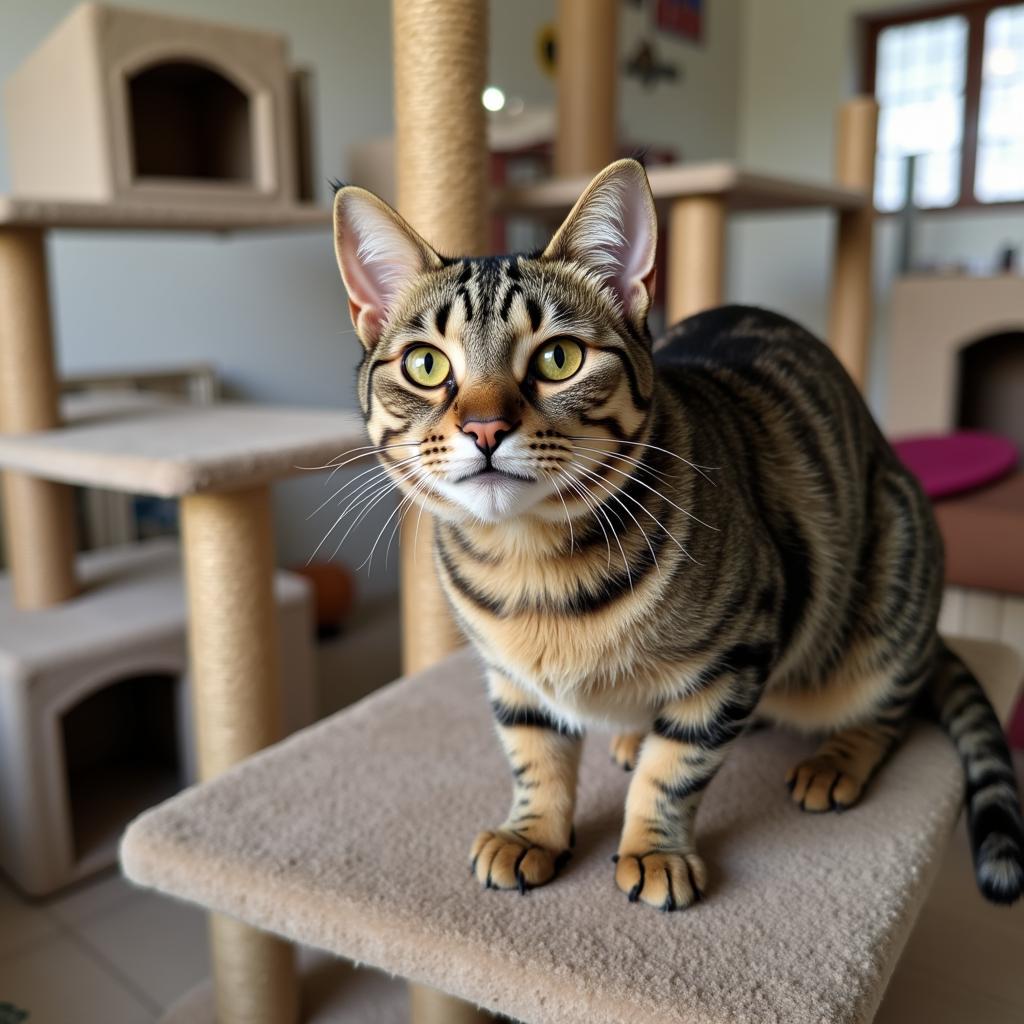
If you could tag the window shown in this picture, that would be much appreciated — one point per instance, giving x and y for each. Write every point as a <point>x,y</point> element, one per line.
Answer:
<point>950,84</point>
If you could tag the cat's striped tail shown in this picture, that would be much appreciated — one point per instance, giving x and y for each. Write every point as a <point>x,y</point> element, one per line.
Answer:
<point>994,820</point>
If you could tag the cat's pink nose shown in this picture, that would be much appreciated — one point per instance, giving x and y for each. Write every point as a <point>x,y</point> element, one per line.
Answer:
<point>487,434</point>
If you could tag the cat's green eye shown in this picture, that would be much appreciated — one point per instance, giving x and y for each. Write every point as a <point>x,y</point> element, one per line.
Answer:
<point>558,359</point>
<point>426,366</point>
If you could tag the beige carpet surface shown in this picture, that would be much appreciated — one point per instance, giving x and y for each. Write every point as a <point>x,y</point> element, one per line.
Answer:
<point>353,837</point>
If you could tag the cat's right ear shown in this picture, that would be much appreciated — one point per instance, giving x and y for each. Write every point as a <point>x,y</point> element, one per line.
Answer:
<point>379,256</point>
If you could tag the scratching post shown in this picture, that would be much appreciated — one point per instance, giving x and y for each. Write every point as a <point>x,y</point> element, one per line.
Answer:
<point>440,49</point>
<point>850,315</point>
<point>587,77</point>
<point>696,256</point>
<point>39,520</point>
<point>229,562</point>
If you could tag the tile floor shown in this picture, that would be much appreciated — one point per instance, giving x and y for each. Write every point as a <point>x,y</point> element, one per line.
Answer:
<point>100,953</point>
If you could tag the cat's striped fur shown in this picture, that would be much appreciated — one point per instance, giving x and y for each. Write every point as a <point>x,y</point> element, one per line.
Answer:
<point>676,539</point>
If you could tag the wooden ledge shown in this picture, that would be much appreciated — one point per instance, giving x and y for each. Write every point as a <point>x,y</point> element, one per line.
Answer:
<point>740,189</point>
<point>230,215</point>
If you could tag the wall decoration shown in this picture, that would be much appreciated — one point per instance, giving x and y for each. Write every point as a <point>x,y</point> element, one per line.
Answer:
<point>645,64</point>
<point>683,18</point>
<point>547,48</point>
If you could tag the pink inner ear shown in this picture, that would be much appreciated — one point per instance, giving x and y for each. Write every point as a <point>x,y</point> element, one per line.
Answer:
<point>366,297</point>
<point>378,260</point>
<point>612,232</point>
<point>635,278</point>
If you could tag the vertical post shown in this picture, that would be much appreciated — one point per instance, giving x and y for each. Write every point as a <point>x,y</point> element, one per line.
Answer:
<point>587,76</point>
<point>440,54</point>
<point>229,569</point>
<point>696,256</point>
<point>38,514</point>
<point>440,61</point>
<point>850,314</point>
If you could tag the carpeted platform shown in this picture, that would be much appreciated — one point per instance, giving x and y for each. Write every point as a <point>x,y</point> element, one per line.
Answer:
<point>353,837</point>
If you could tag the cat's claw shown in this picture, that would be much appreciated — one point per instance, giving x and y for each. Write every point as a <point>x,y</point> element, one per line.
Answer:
<point>500,860</point>
<point>667,881</point>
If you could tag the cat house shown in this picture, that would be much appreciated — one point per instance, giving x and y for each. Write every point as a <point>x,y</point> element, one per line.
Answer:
<point>120,105</point>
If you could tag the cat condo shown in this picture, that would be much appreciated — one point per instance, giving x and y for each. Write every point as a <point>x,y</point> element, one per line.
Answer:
<point>121,105</point>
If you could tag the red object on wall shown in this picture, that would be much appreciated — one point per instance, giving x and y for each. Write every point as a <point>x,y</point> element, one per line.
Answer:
<point>683,18</point>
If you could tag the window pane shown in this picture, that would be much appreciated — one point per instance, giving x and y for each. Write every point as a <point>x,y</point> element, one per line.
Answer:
<point>1000,171</point>
<point>919,82</point>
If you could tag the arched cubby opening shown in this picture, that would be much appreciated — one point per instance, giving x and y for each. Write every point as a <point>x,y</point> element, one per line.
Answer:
<point>190,122</point>
<point>991,385</point>
<point>122,754</point>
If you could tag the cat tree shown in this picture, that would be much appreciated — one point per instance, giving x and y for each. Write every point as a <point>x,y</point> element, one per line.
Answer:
<point>334,839</point>
<point>82,110</point>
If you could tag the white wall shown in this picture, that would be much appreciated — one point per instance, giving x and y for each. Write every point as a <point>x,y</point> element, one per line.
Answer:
<point>799,62</point>
<point>269,309</point>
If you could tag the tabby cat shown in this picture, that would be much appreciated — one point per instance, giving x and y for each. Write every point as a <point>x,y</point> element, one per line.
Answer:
<point>609,577</point>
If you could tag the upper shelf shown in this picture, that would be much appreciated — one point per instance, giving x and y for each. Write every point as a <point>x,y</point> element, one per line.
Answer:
<point>22,211</point>
<point>741,190</point>
<point>171,449</point>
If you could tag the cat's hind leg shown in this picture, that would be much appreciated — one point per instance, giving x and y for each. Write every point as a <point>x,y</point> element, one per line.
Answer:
<point>834,777</point>
<point>625,749</point>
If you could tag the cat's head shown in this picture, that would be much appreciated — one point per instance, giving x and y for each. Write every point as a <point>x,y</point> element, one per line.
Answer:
<point>484,381</point>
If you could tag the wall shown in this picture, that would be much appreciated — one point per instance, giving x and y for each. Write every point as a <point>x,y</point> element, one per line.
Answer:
<point>799,61</point>
<point>269,309</point>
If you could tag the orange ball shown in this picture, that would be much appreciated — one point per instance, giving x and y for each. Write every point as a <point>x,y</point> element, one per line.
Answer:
<point>334,592</point>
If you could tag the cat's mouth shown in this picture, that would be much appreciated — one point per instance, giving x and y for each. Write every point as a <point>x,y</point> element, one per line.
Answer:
<point>489,473</point>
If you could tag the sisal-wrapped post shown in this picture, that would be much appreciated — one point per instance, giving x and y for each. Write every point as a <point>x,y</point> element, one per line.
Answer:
<point>229,570</point>
<point>849,331</point>
<point>587,76</point>
<point>696,256</point>
<point>38,515</point>
<point>440,60</point>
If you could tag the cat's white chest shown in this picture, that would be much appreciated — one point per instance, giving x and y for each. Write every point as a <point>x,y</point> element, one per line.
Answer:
<point>588,675</point>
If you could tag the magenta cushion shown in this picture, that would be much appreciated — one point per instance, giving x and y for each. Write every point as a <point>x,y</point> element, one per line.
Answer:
<point>953,463</point>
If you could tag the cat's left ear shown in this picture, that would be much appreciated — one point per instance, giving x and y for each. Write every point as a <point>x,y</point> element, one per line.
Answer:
<point>379,256</point>
<point>612,230</point>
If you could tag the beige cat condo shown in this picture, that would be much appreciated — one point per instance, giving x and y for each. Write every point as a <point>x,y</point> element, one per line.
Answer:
<point>333,839</point>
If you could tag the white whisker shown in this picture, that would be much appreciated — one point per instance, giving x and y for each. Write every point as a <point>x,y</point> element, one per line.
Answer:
<point>643,533</point>
<point>642,444</point>
<point>377,469</point>
<point>579,491</point>
<point>367,449</point>
<point>653,490</point>
<point>661,526</point>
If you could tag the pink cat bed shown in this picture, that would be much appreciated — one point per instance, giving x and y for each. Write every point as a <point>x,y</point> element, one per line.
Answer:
<point>954,463</point>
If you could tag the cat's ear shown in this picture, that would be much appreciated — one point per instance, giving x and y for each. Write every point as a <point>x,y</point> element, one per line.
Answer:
<point>612,231</point>
<point>378,255</point>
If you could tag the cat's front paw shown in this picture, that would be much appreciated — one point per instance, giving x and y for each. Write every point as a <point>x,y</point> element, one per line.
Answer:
<point>501,860</point>
<point>668,881</point>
